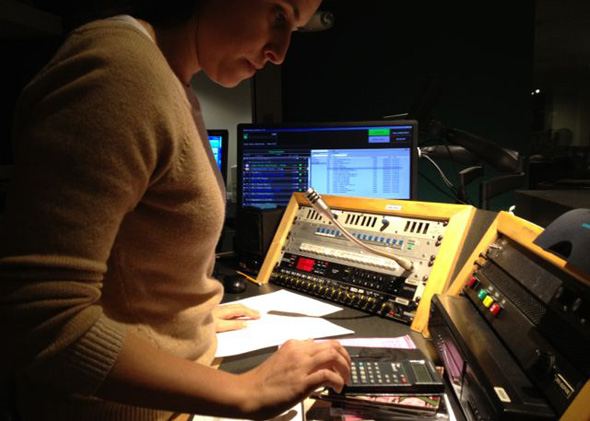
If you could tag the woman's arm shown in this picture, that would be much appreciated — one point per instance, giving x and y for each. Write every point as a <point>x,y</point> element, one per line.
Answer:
<point>145,376</point>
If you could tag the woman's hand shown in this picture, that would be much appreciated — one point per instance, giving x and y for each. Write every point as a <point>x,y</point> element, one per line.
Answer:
<point>292,373</point>
<point>233,317</point>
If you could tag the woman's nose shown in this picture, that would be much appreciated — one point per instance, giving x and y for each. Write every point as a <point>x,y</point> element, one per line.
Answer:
<point>276,51</point>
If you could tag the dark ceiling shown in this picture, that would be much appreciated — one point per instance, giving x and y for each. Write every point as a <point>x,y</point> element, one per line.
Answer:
<point>562,38</point>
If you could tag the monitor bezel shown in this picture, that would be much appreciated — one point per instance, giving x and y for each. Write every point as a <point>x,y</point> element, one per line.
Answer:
<point>379,123</point>
<point>224,134</point>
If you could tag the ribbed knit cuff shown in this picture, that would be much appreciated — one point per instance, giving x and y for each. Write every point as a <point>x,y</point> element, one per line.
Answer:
<point>86,363</point>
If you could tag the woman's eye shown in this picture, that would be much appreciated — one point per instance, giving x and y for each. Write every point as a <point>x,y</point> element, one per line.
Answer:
<point>280,17</point>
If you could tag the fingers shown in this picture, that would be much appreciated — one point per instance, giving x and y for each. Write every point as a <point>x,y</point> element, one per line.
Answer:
<point>233,311</point>
<point>335,345</point>
<point>325,378</point>
<point>227,325</point>
<point>332,359</point>
<point>328,363</point>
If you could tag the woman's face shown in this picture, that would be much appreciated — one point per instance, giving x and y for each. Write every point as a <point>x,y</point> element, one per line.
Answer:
<point>235,38</point>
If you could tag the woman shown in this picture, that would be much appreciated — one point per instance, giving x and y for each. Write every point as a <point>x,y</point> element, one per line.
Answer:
<point>112,220</point>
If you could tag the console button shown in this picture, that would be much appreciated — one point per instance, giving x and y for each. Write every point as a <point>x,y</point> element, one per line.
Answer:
<point>495,309</point>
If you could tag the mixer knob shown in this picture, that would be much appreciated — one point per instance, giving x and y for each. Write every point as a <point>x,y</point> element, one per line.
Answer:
<point>349,297</point>
<point>386,308</point>
<point>543,363</point>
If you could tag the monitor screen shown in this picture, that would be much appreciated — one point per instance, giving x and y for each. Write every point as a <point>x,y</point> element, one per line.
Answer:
<point>219,141</point>
<point>360,159</point>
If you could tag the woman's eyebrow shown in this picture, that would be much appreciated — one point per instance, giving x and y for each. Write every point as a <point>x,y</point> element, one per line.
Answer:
<point>296,12</point>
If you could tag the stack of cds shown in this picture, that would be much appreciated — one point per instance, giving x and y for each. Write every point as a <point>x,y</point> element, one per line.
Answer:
<point>357,407</point>
<point>387,384</point>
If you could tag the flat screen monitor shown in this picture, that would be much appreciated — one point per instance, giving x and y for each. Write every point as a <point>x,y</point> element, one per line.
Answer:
<point>219,141</point>
<point>376,159</point>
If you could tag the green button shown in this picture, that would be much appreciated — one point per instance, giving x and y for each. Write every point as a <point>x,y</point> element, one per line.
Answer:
<point>379,132</point>
<point>482,294</point>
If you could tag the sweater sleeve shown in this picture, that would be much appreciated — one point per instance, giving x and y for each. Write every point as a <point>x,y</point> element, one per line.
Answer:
<point>86,150</point>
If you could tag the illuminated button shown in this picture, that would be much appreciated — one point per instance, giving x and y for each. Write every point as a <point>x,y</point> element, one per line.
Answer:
<point>495,309</point>
<point>394,241</point>
<point>471,282</point>
<point>382,239</point>
<point>488,301</point>
<point>482,294</point>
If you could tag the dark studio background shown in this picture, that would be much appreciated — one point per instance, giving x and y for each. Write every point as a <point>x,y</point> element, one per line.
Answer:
<point>379,57</point>
<point>487,58</point>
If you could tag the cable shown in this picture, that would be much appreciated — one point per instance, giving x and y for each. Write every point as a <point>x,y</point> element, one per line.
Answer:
<point>461,190</point>
<point>323,209</point>
<point>433,184</point>
<point>442,174</point>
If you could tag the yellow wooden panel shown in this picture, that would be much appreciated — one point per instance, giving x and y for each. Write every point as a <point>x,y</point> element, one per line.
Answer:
<point>446,260</point>
<point>488,238</point>
<point>278,241</point>
<point>579,410</point>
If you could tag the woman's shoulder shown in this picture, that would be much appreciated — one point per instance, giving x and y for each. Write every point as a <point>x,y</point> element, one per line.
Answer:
<point>107,57</point>
<point>114,43</point>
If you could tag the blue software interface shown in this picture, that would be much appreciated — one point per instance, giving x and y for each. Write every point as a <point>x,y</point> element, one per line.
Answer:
<point>358,161</point>
<point>216,145</point>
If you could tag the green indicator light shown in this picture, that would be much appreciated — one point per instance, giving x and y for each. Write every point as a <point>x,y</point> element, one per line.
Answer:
<point>379,132</point>
<point>482,294</point>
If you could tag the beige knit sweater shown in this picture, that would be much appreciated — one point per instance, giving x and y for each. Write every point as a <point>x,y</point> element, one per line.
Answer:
<point>111,223</point>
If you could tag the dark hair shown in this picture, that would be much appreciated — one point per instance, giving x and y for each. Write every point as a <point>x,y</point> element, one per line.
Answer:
<point>157,12</point>
<point>163,13</point>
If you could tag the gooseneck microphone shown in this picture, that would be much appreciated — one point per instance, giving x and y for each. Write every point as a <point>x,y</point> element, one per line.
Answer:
<point>323,209</point>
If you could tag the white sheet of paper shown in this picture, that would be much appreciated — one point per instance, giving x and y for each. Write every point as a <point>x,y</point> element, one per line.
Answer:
<point>287,301</point>
<point>283,316</point>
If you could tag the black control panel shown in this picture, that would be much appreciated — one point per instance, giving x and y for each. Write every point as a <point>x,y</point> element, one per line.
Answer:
<point>488,382</point>
<point>386,295</point>
<point>541,314</point>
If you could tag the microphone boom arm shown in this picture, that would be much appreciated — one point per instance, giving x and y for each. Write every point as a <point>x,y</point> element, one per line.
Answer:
<point>323,209</point>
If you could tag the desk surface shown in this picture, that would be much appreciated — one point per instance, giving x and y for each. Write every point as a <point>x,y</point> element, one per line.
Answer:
<point>365,325</point>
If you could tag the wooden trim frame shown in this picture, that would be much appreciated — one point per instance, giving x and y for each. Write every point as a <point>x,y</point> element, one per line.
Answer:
<point>578,410</point>
<point>458,217</point>
<point>523,233</point>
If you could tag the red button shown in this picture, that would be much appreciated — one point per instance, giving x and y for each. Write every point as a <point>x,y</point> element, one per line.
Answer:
<point>471,281</point>
<point>495,309</point>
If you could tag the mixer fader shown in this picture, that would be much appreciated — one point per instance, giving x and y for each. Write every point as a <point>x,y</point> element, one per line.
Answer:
<point>319,260</point>
<point>312,255</point>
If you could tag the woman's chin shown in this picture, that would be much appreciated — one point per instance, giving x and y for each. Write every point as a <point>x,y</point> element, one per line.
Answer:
<point>231,81</point>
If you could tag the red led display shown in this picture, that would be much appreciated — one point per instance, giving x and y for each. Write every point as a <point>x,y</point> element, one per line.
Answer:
<point>305,264</point>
